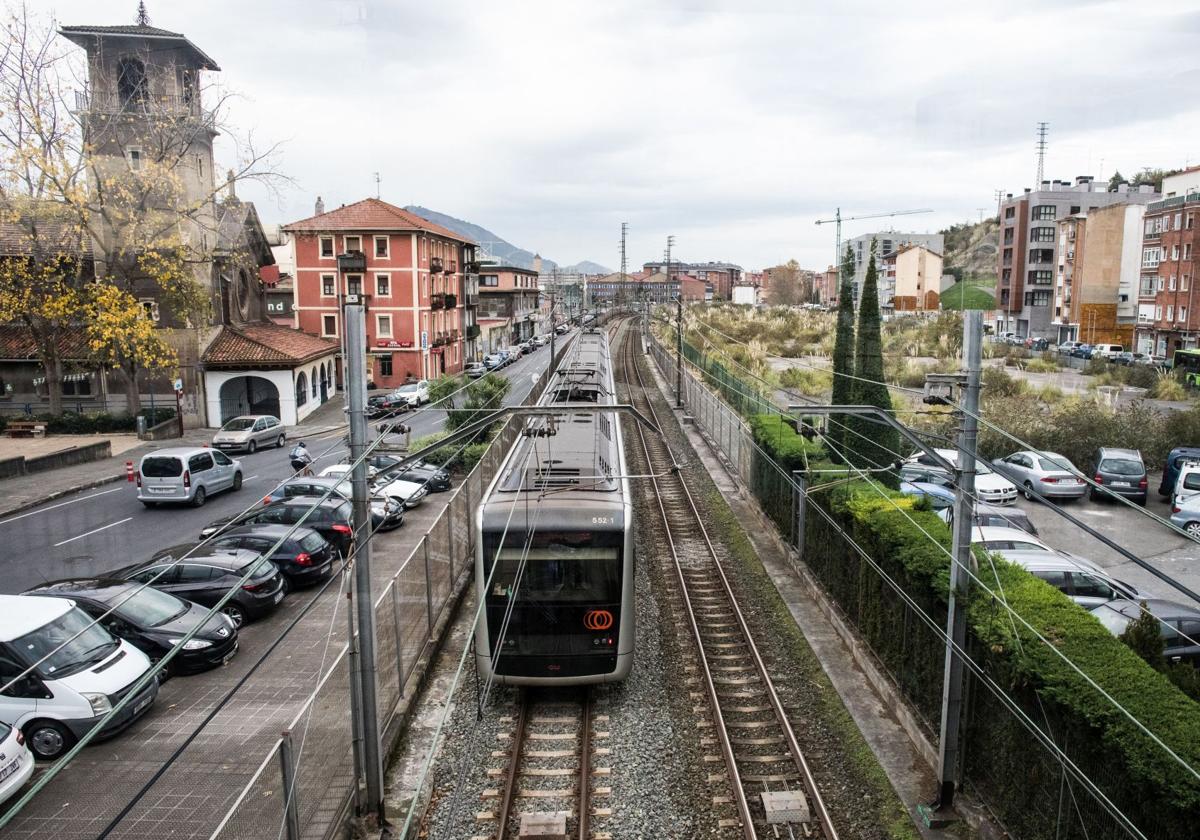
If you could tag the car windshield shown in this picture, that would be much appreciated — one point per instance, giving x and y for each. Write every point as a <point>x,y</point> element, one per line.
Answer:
<point>1115,622</point>
<point>65,646</point>
<point>1121,466</point>
<point>408,389</point>
<point>159,467</point>
<point>312,542</point>
<point>149,607</point>
<point>264,569</point>
<point>238,424</point>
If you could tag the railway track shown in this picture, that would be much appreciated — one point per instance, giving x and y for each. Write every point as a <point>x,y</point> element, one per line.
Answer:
<point>548,780</point>
<point>771,790</point>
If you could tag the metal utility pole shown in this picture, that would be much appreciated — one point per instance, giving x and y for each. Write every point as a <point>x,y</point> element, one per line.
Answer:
<point>954,676</point>
<point>678,351</point>
<point>838,218</point>
<point>553,325</point>
<point>356,385</point>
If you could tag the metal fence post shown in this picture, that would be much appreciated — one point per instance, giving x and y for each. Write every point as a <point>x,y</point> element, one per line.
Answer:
<point>800,501</point>
<point>287,765</point>
<point>399,635</point>
<point>450,547</point>
<point>428,588</point>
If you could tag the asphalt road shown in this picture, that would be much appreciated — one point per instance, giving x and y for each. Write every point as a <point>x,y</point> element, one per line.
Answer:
<point>1154,543</point>
<point>105,528</point>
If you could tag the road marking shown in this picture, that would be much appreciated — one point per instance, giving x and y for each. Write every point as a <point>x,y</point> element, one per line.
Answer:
<point>60,504</point>
<point>251,478</point>
<point>96,531</point>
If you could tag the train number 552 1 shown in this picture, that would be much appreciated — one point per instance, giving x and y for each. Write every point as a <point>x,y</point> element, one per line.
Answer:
<point>602,520</point>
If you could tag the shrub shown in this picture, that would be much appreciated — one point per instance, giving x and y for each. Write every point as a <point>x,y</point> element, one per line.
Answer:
<point>806,380</point>
<point>71,423</point>
<point>1095,367</point>
<point>1041,365</point>
<point>1142,376</point>
<point>1167,387</point>
<point>779,438</point>
<point>997,382</point>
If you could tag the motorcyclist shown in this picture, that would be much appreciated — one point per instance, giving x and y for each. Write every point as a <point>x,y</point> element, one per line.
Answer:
<point>301,459</point>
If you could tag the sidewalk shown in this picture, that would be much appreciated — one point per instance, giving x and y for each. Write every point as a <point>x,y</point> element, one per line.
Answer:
<point>28,491</point>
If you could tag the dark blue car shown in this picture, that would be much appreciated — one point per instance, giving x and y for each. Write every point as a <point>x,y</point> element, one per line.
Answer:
<point>1171,471</point>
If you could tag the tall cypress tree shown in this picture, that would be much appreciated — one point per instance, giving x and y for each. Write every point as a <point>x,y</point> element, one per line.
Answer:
<point>878,443</point>
<point>843,351</point>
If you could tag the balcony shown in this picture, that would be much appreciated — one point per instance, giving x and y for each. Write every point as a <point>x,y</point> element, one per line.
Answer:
<point>437,301</point>
<point>453,267</point>
<point>451,301</point>
<point>108,103</point>
<point>472,267</point>
<point>472,331</point>
<point>435,265</point>
<point>471,299</point>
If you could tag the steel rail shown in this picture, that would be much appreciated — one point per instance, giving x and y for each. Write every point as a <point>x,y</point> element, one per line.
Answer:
<point>797,754</point>
<point>585,768</point>
<point>514,766</point>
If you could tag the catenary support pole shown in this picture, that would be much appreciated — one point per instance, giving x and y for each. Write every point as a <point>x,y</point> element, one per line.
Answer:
<point>356,350</point>
<point>679,351</point>
<point>954,675</point>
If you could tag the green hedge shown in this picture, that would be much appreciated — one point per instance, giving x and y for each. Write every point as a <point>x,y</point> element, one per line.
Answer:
<point>71,423</point>
<point>1016,776</point>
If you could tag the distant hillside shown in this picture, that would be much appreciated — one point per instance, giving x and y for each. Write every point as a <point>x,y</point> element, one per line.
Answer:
<point>497,247</point>
<point>971,250</point>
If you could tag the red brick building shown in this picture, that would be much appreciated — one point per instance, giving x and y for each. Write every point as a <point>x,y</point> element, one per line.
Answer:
<point>413,284</point>
<point>1168,319</point>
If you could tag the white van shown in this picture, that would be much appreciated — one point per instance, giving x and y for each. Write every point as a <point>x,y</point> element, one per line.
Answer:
<point>1188,482</point>
<point>186,474</point>
<point>77,672</point>
<point>1106,351</point>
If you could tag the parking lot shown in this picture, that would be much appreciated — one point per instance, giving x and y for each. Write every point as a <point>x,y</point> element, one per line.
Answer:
<point>1167,550</point>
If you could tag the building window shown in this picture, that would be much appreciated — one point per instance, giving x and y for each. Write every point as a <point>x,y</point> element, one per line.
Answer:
<point>1041,234</point>
<point>385,365</point>
<point>1151,257</point>
<point>383,326</point>
<point>1183,283</point>
<point>131,83</point>
<point>354,284</point>
<point>1174,252</point>
<point>329,325</point>
<point>1191,219</point>
<point>1187,250</point>
<point>383,285</point>
<point>489,280</point>
<point>1044,213</point>
<point>1041,277</point>
<point>1041,255</point>
<point>327,286</point>
<point>1074,209</point>
<point>1170,311</point>
<point>149,309</point>
<point>1183,313</point>
<point>135,159</point>
<point>1008,236</point>
<point>1010,212</point>
<point>381,246</point>
<point>1178,221</point>
<point>352,243</point>
<point>77,385</point>
<point>301,388</point>
<point>1171,284</point>
<point>326,247</point>
<point>1158,312</point>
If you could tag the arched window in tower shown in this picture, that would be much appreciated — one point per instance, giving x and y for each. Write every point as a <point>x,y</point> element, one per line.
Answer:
<point>131,83</point>
<point>189,87</point>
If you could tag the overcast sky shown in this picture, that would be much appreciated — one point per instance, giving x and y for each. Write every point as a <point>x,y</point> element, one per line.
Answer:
<point>732,125</point>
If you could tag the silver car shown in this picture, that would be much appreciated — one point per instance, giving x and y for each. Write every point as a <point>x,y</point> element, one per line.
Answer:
<point>186,474</point>
<point>250,432</point>
<point>1049,473</point>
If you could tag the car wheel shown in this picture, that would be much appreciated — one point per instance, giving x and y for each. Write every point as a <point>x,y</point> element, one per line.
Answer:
<point>200,498</point>
<point>236,614</point>
<point>279,442</point>
<point>1027,491</point>
<point>1193,529</point>
<point>149,504</point>
<point>48,739</point>
<point>287,585</point>
<point>237,481</point>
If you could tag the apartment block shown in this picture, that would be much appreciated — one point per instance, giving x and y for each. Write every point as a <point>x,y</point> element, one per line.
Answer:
<point>1096,276</point>
<point>888,242</point>
<point>410,271</point>
<point>721,277</point>
<point>1029,243</point>
<point>509,305</point>
<point>1170,260</point>
<point>915,273</point>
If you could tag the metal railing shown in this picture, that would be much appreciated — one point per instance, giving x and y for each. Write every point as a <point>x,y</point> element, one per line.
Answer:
<point>407,613</point>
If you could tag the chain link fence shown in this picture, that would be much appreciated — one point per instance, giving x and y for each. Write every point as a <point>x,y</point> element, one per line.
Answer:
<point>1002,755</point>
<point>407,612</point>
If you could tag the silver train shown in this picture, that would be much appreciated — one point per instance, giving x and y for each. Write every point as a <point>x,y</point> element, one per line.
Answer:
<point>555,559</point>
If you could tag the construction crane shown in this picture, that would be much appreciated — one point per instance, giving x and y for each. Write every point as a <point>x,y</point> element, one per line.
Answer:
<point>838,219</point>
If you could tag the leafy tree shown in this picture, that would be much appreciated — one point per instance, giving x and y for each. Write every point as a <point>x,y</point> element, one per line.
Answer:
<point>1115,181</point>
<point>790,285</point>
<point>874,444</point>
<point>843,348</point>
<point>80,221</point>
<point>466,404</point>
<point>122,337</point>
<point>1145,639</point>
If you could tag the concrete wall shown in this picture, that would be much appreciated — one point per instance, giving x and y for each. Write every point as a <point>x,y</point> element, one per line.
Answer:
<point>12,467</point>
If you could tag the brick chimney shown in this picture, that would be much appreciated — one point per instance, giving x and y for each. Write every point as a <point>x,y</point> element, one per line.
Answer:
<point>319,209</point>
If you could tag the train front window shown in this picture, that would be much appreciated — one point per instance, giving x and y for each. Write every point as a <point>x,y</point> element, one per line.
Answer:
<point>557,568</point>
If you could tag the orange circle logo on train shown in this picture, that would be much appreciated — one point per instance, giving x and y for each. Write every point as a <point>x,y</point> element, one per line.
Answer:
<point>598,620</point>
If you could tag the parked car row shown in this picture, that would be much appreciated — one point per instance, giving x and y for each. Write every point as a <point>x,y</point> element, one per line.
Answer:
<point>1114,353</point>
<point>406,397</point>
<point>1009,533</point>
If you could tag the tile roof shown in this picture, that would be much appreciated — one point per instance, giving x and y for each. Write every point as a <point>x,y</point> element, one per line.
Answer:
<point>16,342</point>
<point>372,214</point>
<point>16,238</point>
<point>78,34</point>
<point>264,343</point>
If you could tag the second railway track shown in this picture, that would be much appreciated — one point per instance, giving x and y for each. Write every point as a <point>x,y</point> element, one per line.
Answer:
<point>772,791</point>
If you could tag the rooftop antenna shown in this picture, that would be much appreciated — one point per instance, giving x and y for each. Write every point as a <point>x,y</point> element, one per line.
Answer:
<point>1043,127</point>
<point>143,17</point>
<point>377,185</point>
